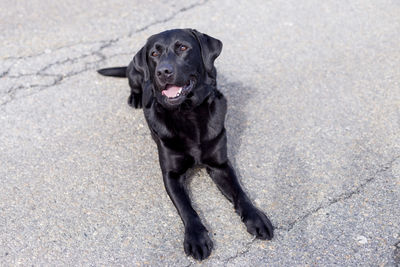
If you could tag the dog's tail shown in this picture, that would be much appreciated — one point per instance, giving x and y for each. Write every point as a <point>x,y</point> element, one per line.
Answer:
<point>114,72</point>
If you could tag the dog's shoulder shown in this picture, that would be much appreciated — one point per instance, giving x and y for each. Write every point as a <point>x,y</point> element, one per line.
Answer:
<point>217,103</point>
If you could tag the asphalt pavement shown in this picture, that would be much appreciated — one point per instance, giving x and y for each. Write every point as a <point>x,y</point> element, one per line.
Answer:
<point>313,124</point>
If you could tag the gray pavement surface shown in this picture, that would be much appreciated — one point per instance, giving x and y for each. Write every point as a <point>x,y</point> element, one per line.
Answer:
<point>313,127</point>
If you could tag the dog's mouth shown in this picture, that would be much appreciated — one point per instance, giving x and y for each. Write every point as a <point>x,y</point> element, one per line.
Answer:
<point>173,92</point>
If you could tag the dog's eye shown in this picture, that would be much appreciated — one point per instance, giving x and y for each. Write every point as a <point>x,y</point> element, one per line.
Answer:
<point>154,54</point>
<point>183,48</point>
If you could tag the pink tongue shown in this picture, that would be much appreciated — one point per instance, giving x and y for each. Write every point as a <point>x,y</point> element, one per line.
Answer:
<point>171,91</point>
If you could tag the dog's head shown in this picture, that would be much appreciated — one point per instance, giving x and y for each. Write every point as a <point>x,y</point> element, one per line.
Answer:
<point>175,67</point>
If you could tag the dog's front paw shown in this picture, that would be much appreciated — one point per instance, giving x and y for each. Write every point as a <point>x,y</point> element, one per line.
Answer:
<point>135,100</point>
<point>197,242</point>
<point>258,224</point>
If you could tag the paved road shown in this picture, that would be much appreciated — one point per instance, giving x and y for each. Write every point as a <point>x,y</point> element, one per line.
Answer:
<point>313,125</point>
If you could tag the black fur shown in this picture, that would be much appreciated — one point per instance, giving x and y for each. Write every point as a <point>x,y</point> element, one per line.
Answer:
<point>188,130</point>
<point>114,72</point>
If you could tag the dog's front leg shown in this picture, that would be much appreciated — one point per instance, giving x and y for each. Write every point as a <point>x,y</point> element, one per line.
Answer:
<point>197,243</point>
<point>256,221</point>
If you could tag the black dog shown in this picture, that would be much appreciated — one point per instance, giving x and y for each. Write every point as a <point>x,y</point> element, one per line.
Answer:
<point>174,79</point>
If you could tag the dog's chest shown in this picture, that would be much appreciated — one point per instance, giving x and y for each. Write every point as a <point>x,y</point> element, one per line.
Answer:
<point>191,127</point>
<point>202,124</point>
<point>194,132</point>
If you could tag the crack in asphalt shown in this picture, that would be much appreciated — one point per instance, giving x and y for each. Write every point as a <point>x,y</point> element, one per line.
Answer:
<point>4,73</point>
<point>396,252</point>
<point>183,9</point>
<point>240,253</point>
<point>55,50</point>
<point>343,196</point>
<point>11,93</point>
<point>57,78</point>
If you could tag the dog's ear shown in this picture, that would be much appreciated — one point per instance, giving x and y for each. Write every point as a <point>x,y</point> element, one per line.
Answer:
<point>210,50</point>
<point>138,76</point>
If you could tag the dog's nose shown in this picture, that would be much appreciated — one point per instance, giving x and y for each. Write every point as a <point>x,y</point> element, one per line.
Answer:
<point>165,71</point>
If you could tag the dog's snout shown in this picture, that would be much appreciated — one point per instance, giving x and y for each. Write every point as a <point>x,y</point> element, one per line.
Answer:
<point>165,71</point>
